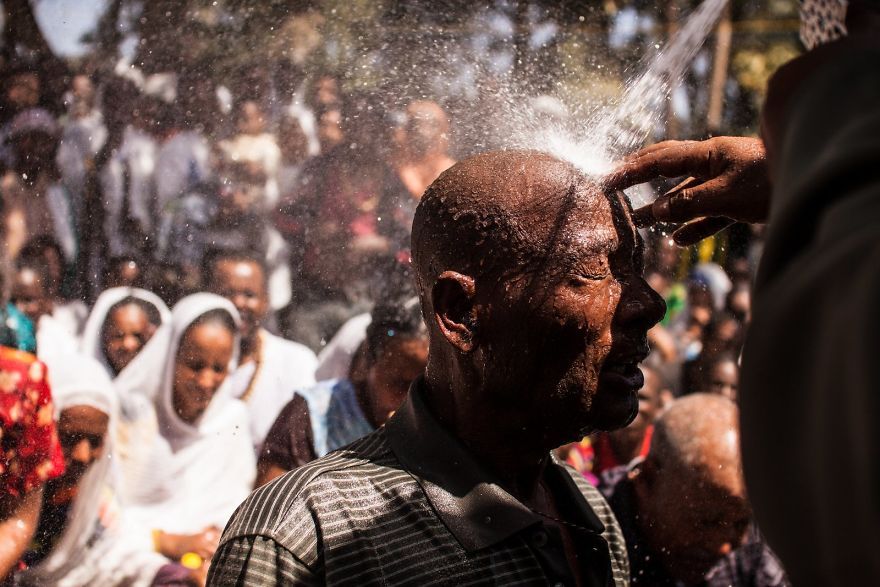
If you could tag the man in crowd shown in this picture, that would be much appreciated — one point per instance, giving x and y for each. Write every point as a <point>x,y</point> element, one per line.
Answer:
<point>540,330</point>
<point>683,509</point>
<point>270,368</point>
<point>423,155</point>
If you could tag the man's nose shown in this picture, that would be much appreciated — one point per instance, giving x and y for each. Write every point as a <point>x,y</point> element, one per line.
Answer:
<point>640,305</point>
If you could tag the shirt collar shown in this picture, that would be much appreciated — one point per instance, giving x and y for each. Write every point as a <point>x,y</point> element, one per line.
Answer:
<point>472,505</point>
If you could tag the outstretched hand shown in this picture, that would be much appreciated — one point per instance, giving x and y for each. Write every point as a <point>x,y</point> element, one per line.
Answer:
<point>728,182</point>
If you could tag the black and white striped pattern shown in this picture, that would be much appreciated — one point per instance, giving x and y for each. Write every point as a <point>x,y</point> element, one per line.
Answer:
<point>355,517</point>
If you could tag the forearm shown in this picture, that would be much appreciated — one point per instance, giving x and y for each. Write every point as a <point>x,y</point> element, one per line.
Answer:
<point>17,530</point>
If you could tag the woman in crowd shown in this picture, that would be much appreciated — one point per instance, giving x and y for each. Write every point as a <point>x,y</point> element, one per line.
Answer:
<point>209,465</point>
<point>122,321</point>
<point>81,538</point>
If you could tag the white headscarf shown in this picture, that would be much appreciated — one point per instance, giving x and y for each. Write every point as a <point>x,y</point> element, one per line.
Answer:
<point>187,311</point>
<point>93,548</point>
<point>92,343</point>
<point>213,465</point>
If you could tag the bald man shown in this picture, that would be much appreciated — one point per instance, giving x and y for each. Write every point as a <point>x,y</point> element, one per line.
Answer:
<point>684,510</point>
<point>530,282</point>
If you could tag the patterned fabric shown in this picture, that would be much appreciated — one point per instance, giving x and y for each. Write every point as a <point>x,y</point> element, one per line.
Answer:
<point>822,21</point>
<point>407,505</point>
<point>31,454</point>
<point>336,415</point>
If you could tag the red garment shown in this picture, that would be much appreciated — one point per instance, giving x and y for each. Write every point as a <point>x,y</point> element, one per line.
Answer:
<point>605,458</point>
<point>30,453</point>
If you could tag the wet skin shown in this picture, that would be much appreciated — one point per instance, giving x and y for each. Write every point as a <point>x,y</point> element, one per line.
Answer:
<point>582,319</point>
<point>201,366</point>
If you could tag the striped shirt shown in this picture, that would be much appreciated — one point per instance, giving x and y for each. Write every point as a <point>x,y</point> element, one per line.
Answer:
<point>407,505</point>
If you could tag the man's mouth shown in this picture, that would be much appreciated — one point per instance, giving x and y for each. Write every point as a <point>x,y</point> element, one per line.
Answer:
<point>621,371</point>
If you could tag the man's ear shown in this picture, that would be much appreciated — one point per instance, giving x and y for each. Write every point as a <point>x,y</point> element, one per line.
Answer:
<point>453,301</point>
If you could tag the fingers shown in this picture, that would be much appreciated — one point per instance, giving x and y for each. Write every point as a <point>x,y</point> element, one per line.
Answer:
<point>693,232</point>
<point>675,160</point>
<point>695,201</point>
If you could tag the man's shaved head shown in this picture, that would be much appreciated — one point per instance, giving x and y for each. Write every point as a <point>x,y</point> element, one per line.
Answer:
<point>518,254</point>
<point>690,489</point>
<point>492,213</point>
<point>699,433</point>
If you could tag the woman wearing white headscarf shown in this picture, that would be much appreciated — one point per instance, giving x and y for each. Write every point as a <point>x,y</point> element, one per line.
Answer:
<point>120,326</point>
<point>94,547</point>
<point>98,333</point>
<point>184,370</point>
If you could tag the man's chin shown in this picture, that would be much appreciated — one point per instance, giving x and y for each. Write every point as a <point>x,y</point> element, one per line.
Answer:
<point>614,409</point>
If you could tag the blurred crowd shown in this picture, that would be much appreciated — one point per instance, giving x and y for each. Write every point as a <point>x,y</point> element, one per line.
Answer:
<point>215,282</point>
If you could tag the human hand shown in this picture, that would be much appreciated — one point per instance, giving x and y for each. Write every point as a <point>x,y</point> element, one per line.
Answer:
<point>203,543</point>
<point>729,182</point>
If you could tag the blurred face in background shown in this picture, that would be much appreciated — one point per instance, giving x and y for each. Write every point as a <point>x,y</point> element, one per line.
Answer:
<point>330,129</point>
<point>127,330</point>
<point>244,284</point>
<point>251,120</point>
<point>30,295</point>
<point>81,432</point>
<point>23,91</point>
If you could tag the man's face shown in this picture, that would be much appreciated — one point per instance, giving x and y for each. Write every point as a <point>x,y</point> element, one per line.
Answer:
<point>690,520</point>
<point>30,296</point>
<point>572,331</point>
<point>649,408</point>
<point>244,284</point>
<point>81,432</point>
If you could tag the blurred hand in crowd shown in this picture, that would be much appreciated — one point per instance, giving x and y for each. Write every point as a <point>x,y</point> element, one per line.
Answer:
<point>728,182</point>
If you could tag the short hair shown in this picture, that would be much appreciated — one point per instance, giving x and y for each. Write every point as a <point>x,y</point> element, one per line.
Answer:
<point>39,266</point>
<point>38,245</point>
<point>396,314</point>
<point>691,430</point>
<point>214,256</point>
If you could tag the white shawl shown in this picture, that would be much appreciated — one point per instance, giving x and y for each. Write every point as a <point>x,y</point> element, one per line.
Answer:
<point>212,465</point>
<point>95,547</point>
<point>282,367</point>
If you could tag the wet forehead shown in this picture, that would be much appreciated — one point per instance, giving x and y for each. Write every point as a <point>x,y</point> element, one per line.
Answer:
<point>599,225</point>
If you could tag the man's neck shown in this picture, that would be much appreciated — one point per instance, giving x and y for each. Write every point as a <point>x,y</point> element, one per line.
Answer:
<point>495,442</point>
<point>250,347</point>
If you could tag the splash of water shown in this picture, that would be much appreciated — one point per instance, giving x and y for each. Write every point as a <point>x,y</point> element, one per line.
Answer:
<point>609,132</point>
